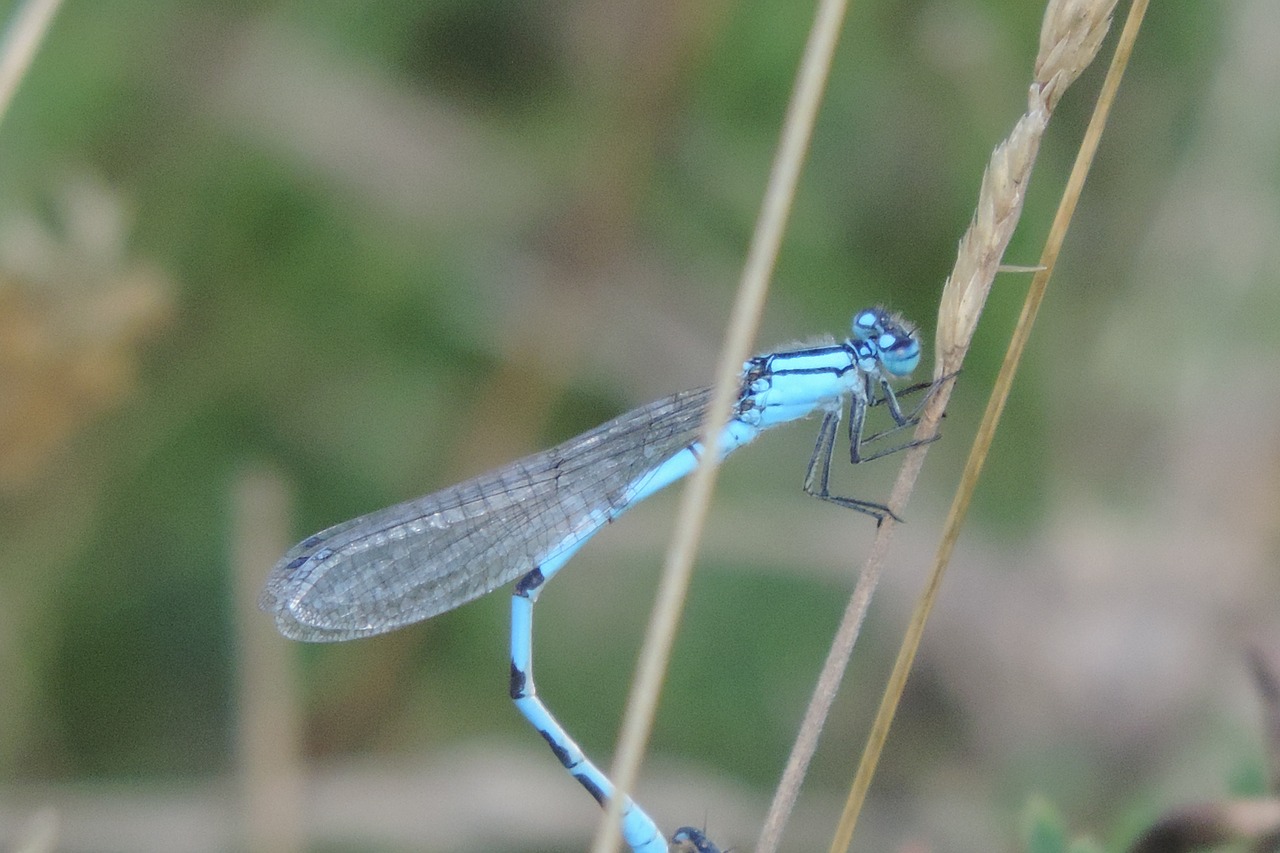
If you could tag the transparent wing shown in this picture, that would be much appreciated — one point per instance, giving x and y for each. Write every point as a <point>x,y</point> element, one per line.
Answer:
<point>422,557</point>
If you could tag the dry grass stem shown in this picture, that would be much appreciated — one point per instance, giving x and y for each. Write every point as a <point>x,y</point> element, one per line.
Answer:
<point>802,111</point>
<point>21,41</point>
<point>1071,35</point>
<point>269,735</point>
<point>1064,53</point>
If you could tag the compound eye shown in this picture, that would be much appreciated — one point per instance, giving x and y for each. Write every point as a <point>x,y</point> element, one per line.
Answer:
<point>867,324</point>
<point>899,352</point>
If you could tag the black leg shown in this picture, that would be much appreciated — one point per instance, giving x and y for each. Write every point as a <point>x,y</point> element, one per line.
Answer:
<point>901,420</point>
<point>818,477</point>
<point>858,419</point>
<point>891,400</point>
<point>928,387</point>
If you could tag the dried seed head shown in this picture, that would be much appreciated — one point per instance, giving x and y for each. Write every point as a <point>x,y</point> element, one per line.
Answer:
<point>1069,40</point>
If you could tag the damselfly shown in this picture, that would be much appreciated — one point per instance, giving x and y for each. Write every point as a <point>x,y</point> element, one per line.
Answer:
<point>526,520</point>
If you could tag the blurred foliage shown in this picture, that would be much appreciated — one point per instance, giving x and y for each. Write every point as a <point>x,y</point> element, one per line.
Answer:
<point>1044,832</point>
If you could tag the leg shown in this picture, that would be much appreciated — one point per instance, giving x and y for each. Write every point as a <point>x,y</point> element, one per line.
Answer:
<point>820,471</point>
<point>858,414</point>
<point>884,399</point>
<point>858,419</point>
<point>928,387</point>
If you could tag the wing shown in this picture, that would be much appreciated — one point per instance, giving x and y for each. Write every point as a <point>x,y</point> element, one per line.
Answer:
<point>422,557</point>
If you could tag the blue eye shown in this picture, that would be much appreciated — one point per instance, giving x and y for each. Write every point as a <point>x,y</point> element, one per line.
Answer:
<point>896,342</point>
<point>867,323</point>
<point>901,355</point>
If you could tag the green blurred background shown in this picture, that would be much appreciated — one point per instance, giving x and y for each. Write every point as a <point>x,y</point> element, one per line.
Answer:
<point>267,266</point>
